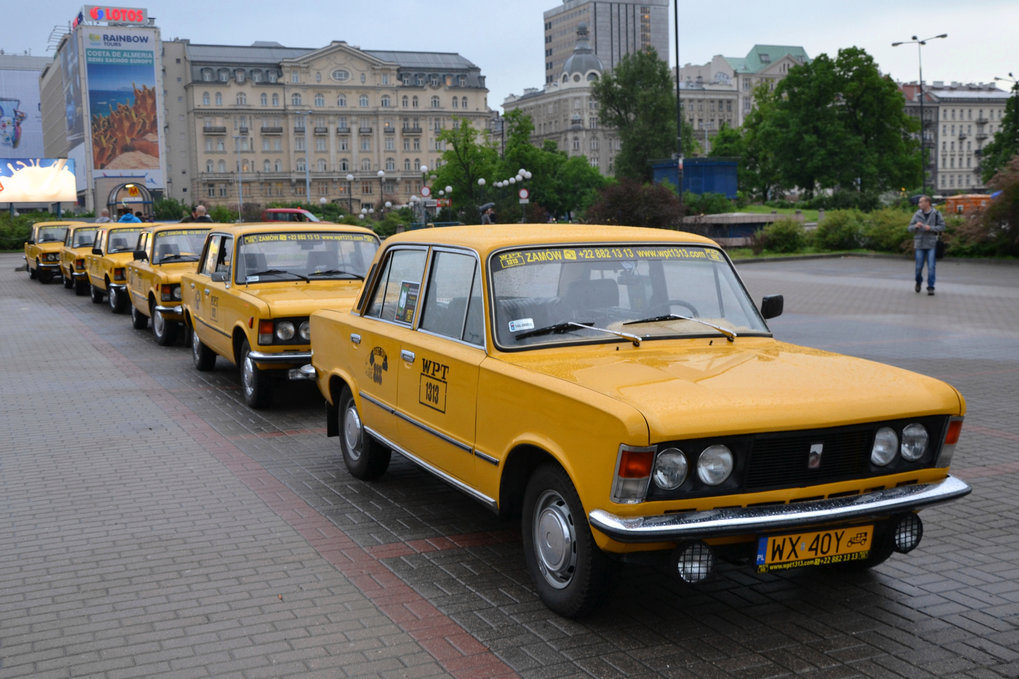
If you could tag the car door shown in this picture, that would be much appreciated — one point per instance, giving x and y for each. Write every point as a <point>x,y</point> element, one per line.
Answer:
<point>439,363</point>
<point>379,333</point>
<point>210,281</point>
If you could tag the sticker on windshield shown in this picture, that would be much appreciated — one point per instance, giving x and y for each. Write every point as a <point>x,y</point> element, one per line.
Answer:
<point>515,258</point>
<point>521,324</point>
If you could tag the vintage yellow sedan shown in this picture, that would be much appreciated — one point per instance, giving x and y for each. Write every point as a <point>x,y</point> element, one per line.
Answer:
<point>254,288</point>
<point>617,388</point>
<point>106,264</point>
<point>163,253</point>
<point>42,249</point>
<point>77,244</point>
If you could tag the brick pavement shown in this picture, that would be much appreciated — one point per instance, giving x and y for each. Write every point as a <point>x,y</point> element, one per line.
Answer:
<point>152,525</point>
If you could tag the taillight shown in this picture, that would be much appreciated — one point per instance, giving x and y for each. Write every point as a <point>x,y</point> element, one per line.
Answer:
<point>633,473</point>
<point>265,332</point>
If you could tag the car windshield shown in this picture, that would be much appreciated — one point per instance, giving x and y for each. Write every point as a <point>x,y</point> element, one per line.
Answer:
<point>123,240</point>
<point>178,245</point>
<point>83,237</point>
<point>617,292</point>
<point>314,256</point>
<point>51,234</point>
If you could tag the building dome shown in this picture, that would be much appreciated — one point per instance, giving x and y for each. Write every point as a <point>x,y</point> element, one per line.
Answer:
<point>583,60</point>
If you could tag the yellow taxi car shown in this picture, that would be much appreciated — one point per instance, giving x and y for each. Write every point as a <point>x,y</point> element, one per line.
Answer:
<point>255,286</point>
<point>42,249</point>
<point>106,264</point>
<point>77,243</point>
<point>163,253</point>
<point>617,388</point>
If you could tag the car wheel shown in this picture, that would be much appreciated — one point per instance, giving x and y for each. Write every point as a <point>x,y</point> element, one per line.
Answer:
<point>115,298</point>
<point>138,320</point>
<point>567,568</point>
<point>366,458</point>
<point>254,382</point>
<point>202,356</point>
<point>31,271</point>
<point>165,331</point>
<point>81,287</point>
<point>68,281</point>
<point>97,294</point>
<point>44,275</point>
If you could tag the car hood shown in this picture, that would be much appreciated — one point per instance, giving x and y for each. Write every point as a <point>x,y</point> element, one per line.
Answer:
<point>300,299</point>
<point>702,387</point>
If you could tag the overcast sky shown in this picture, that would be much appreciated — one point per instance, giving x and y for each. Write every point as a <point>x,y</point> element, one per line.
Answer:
<point>505,39</point>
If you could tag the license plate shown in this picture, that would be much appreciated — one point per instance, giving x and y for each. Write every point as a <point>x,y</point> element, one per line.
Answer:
<point>816,548</point>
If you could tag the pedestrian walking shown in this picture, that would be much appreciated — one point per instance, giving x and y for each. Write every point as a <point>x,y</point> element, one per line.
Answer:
<point>926,227</point>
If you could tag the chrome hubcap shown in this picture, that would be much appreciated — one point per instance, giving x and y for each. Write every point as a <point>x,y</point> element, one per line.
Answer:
<point>352,432</point>
<point>555,540</point>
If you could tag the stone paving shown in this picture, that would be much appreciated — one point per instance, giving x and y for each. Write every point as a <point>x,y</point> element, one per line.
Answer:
<point>151,525</point>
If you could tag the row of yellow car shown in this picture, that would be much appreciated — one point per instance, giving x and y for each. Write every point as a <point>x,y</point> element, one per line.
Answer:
<point>615,388</point>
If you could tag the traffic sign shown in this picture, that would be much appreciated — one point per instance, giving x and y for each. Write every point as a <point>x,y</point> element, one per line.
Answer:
<point>524,194</point>
<point>425,191</point>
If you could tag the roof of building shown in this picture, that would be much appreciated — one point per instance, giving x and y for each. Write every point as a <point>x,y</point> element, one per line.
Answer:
<point>583,60</point>
<point>23,62</point>
<point>263,52</point>
<point>760,57</point>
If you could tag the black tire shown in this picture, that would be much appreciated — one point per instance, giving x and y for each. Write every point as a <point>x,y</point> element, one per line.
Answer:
<point>366,458</point>
<point>44,275</point>
<point>81,287</point>
<point>116,298</point>
<point>139,321</point>
<point>96,293</point>
<point>255,383</point>
<point>202,356</point>
<point>164,331</point>
<point>67,279</point>
<point>568,569</point>
<point>31,271</point>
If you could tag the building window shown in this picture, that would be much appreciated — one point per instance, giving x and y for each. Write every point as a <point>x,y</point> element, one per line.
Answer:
<point>344,165</point>
<point>221,166</point>
<point>403,101</point>
<point>414,101</point>
<point>295,77</point>
<point>208,166</point>
<point>275,100</point>
<point>456,103</point>
<point>320,100</point>
<point>301,165</point>
<point>295,99</point>
<point>219,98</point>
<point>242,98</point>
<point>435,102</point>
<point>386,101</point>
<point>463,102</point>
<point>363,101</point>
<point>366,166</point>
<point>205,99</point>
<point>210,190</point>
<point>264,99</point>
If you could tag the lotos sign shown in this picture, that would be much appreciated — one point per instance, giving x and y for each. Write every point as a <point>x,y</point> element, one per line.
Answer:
<point>128,15</point>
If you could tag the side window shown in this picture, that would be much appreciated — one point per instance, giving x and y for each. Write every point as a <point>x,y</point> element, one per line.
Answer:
<point>474,330</point>
<point>450,288</point>
<point>397,291</point>
<point>211,256</point>
<point>225,252</point>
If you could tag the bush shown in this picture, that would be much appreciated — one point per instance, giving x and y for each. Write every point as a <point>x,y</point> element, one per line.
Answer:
<point>784,235</point>
<point>14,231</point>
<point>222,214</point>
<point>840,230</point>
<point>707,203</point>
<point>169,209</point>
<point>885,230</point>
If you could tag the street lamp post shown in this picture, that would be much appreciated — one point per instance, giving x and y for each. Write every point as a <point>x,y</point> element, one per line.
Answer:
<point>307,160</point>
<point>923,141</point>
<point>382,187</point>
<point>240,183</point>
<point>350,193</point>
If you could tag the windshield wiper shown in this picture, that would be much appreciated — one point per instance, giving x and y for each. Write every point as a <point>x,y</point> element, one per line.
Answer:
<point>729,334</point>
<point>275,272</point>
<point>337,272</point>
<point>567,326</point>
<point>179,258</point>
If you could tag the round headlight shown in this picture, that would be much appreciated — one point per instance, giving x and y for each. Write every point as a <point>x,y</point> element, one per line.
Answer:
<point>714,465</point>
<point>885,445</point>
<point>670,469</point>
<point>285,331</point>
<point>175,293</point>
<point>914,442</point>
<point>305,331</point>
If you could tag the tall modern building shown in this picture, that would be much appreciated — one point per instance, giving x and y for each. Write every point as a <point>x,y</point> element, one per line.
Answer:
<point>616,27</point>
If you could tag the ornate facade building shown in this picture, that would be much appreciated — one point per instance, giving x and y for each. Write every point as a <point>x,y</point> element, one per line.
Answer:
<point>266,123</point>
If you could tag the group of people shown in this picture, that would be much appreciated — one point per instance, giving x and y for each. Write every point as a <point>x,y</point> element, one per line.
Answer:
<point>199,213</point>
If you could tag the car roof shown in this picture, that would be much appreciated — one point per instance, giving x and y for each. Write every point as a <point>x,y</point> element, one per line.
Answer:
<point>288,227</point>
<point>490,237</point>
<point>179,226</point>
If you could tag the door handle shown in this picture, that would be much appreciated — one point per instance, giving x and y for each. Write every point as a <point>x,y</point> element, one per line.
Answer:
<point>207,291</point>
<point>407,355</point>
<point>355,338</point>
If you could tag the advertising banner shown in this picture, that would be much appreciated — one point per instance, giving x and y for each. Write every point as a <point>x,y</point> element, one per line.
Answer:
<point>124,98</point>
<point>37,180</point>
<point>20,119</point>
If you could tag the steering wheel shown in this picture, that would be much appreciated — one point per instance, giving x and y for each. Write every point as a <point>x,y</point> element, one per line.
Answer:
<point>662,308</point>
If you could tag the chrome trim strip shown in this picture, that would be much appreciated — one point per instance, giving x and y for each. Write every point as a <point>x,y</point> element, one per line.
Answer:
<point>423,427</point>
<point>751,520</point>
<point>487,458</point>
<point>284,357</point>
<point>459,485</point>
<point>118,286</point>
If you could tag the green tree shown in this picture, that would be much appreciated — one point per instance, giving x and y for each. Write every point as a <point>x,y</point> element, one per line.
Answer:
<point>469,156</point>
<point>630,203</point>
<point>758,173</point>
<point>1005,144</point>
<point>837,124</point>
<point>637,98</point>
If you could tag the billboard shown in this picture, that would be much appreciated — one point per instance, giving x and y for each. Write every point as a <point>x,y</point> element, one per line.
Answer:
<point>37,180</point>
<point>124,101</point>
<point>20,117</point>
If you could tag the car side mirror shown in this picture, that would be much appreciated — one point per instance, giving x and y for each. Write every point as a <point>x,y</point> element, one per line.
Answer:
<point>220,276</point>
<point>97,251</point>
<point>30,241</point>
<point>139,255</point>
<point>772,305</point>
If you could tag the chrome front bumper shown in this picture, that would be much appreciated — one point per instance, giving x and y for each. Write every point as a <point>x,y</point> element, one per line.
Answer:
<point>762,519</point>
<point>177,309</point>
<point>301,357</point>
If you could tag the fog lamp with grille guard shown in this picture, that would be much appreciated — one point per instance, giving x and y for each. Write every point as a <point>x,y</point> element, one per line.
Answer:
<point>693,562</point>
<point>907,534</point>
